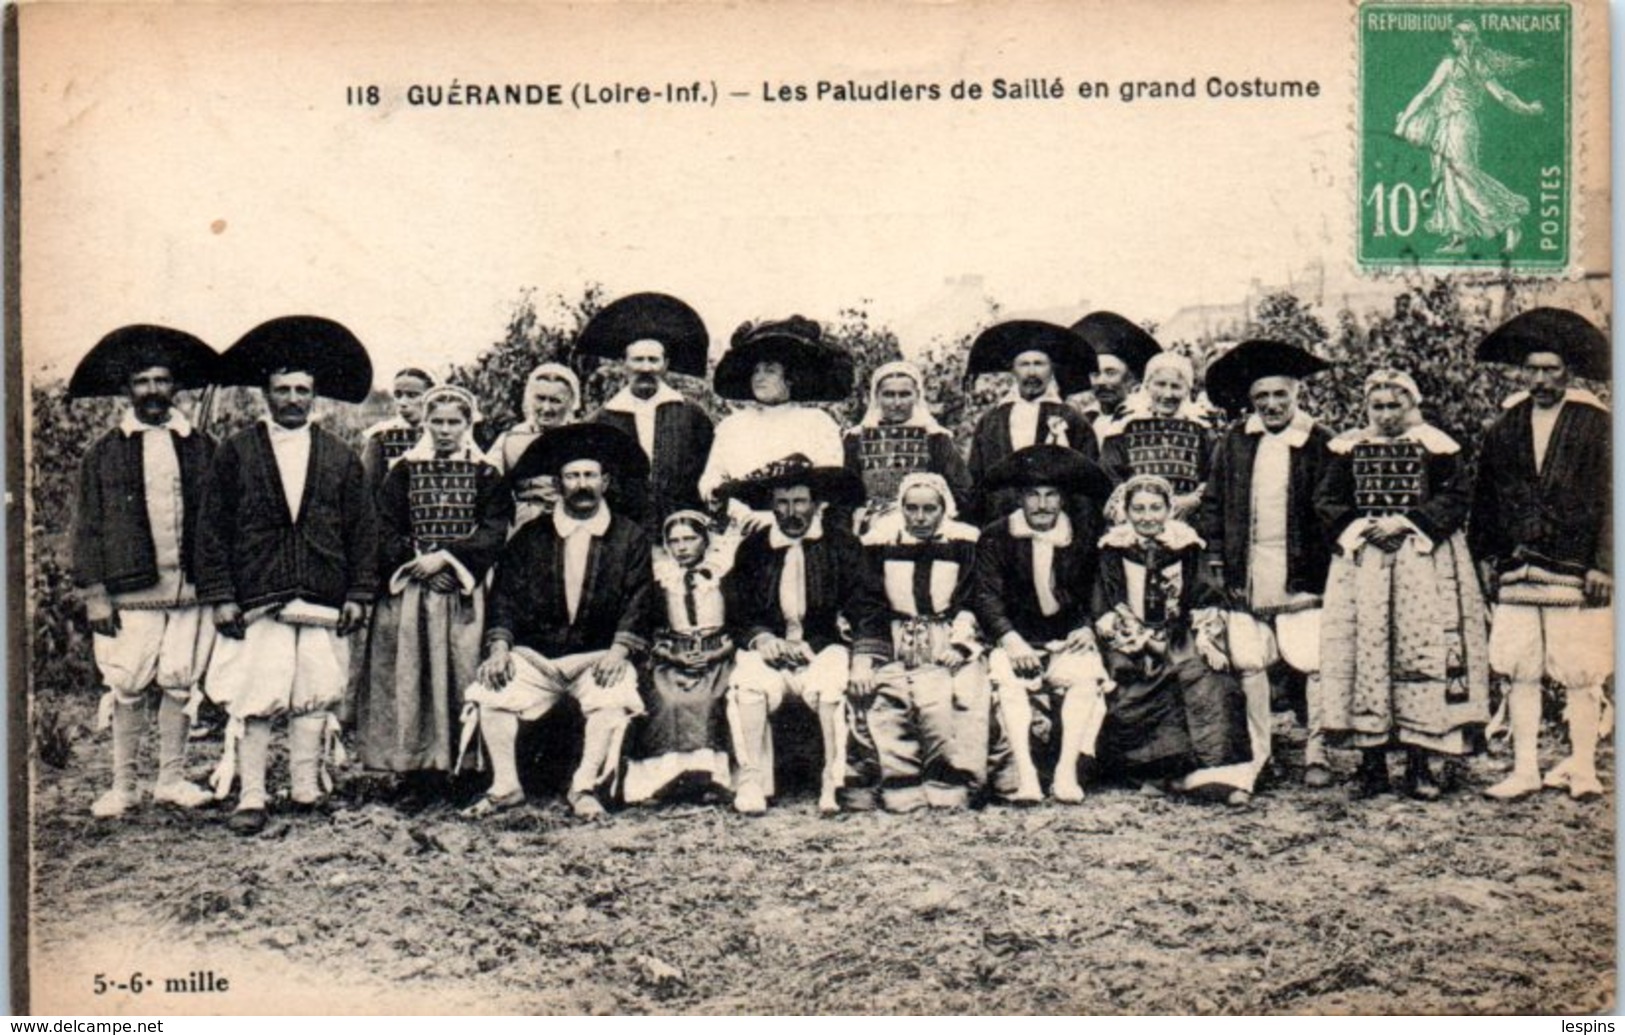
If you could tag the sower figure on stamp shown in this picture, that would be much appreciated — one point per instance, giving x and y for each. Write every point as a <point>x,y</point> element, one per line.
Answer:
<point>1122,349</point>
<point>287,554</point>
<point>653,334</point>
<point>569,607</point>
<point>1048,363</point>
<point>779,366</point>
<point>135,522</point>
<point>898,437</point>
<point>1265,541</point>
<point>928,704</point>
<point>1541,528</point>
<point>1034,573</point>
<point>791,585</point>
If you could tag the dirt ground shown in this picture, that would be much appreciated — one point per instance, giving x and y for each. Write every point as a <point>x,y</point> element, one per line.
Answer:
<point>1307,902</point>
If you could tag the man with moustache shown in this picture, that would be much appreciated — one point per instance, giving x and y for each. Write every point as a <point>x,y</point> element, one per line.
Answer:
<point>1266,544</point>
<point>1035,570</point>
<point>653,335</point>
<point>570,605</point>
<point>287,547</point>
<point>135,522</point>
<point>1049,363</point>
<point>1122,349</point>
<point>790,586</point>
<point>1541,528</point>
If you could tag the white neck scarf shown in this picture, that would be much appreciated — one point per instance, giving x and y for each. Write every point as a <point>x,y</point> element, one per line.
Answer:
<point>793,579</point>
<point>578,534</point>
<point>176,422</point>
<point>643,411</point>
<point>1045,544</point>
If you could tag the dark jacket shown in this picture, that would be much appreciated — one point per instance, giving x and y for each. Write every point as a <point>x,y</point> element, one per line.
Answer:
<point>1005,598</point>
<point>880,470</point>
<point>112,541</point>
<point>1561,518</point>
<point>835,588</point>
<point>251,551</point>
<point>902,580</point>
<point>527,607</point>
<point>1227,510</point>
<point>683,435</point>
<point>990,443</point>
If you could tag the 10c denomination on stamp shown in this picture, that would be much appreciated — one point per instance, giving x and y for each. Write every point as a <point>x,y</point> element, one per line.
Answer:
<point>1466,149</point>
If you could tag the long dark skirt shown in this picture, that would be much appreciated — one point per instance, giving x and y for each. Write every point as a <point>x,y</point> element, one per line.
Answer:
<point>1173,718</point>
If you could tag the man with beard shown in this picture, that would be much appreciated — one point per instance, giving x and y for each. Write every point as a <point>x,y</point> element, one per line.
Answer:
<point>287,554</point>
<point>1122,349</point>
<point>653,334</point>
<point>1266,545</point>
<point>790,586</point>
<point>1541,528</point>
<point>1035,570</point>
<point>570,605</point>
<point>1048,363</point>
<point>135,521</point>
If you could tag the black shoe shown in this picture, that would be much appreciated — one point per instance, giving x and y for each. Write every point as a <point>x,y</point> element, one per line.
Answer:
<point>246,822</point>
<point>1419,781</point>
<point>1371,779</point>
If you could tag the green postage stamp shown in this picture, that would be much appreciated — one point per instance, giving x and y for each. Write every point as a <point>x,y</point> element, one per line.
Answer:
<point>1466,141</point>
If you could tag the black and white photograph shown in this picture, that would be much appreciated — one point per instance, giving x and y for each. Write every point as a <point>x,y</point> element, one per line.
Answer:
<point>1012,508</point>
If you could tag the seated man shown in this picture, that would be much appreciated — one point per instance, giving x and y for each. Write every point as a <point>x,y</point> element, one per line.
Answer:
<point>791,583</point>
<point>929,710</point>
<point>1034,570</point>
<point>569,606</point>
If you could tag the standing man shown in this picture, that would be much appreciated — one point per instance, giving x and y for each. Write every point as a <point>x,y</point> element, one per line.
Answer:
<point>1122,349</point>
<point>135,522</point>
<point>1035,572</point>
<point>570,606</point>
<point>1541,529</point>
<point>1266,545</point>
<point>287,548</point>
<point>790,586</point>
<point>1049,363</point>
<point>780,366</point>
<point>653,334</point>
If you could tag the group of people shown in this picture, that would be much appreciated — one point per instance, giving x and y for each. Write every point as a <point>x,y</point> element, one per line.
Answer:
<point>1101,590</point>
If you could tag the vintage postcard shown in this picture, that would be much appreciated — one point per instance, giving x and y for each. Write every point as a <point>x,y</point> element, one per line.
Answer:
<point>1012,507</point>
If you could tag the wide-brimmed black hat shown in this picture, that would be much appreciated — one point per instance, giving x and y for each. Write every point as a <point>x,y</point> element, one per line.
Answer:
<point>106,369</point>
<point>1065,469</point>
<point>619,453</point>
<point>1112,335</point>
<point>1230,377</point>
<point>1580,342</point>
<point>818,371</point>
<point>828,484</point>
<point>996,348</point>
<point>649,316</point>
<point>321,347</point>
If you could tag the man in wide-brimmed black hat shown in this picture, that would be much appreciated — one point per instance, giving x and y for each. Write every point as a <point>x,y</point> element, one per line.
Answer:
<point>135,521</point>
<point>1122,349</point>
<point>570,606</point>
<point>1267,546</point>
<point>779,365</point>
<point>653,334</point>
<point>1049,363</point>
<point>1541,527</point>
<point>1035,569</point>
<point>790,585</point>
<point>287,546</point>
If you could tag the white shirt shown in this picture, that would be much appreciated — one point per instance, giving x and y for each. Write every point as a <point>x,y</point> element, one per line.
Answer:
<point>643,412</point>
<point>755,437</point>
<point>578,534</point>
<point>291,448</point>
<point>1024,415</point>
<point>166,506</point>
<point>1542,422</point>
